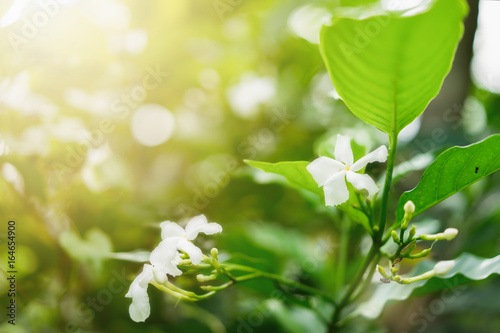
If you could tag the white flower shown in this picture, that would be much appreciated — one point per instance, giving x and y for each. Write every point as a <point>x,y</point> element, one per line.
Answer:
<point>333,173</point>
<point>172,233</point>
<point>164,260</point>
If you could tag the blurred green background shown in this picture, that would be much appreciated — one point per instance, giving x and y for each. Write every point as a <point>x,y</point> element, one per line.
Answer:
<point>117,115</point>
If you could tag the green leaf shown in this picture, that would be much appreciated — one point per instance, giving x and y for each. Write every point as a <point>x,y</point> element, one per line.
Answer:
<point>296,319</point>
<point>295,172</point>
<point>467,268</point>
<point>388,67</point>
<point>92,249</point>
<point>452,171</point>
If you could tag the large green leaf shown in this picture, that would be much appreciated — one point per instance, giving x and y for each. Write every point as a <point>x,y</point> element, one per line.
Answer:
<point>453,170</point>
<point>388,67</point>
<point>467,268</point>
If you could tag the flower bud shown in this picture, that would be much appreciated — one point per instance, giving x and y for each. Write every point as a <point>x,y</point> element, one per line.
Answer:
<point>443,267</point>
<point>409,207</point>
<point>214,253</point>
<point>421,254</point>
<point>382,272</point>
<point>395,237</point>
<point>205,278</point>
<point>410,248</point>
<point>394,270</point>
<point>450,233</point>
<point>413,231</point>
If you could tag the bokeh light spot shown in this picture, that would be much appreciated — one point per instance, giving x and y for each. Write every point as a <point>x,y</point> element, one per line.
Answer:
<point>152,125</point>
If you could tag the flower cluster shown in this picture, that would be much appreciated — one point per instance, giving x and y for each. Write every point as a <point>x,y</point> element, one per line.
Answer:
<point>332,174</point>
<point>165,258</point>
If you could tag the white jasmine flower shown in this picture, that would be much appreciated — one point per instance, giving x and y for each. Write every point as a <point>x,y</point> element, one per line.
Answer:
<point>164,260</point>
<point>172,233</point>
<point>333,173</point>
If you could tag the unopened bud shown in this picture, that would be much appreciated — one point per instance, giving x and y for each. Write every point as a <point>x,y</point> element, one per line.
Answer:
<point>395,237</point>
<point>443,267</point>
<point>409,207</point>
<point>205,278</point>
<point>382,272</point>
<point>413,231</point>
<point>450,233</point>
<point>394,270</point>
<point>214,253</point>
<point>410,248</point>
<point>421,254</point>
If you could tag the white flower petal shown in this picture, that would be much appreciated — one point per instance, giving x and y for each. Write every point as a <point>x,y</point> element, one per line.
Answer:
<point>146,276</point>
<point>378,155</point>
<point>140,309</point>
<point>193,251</point>
<point>343,151</point>
<point>171,229</point>
<point>141,281</point>
<point>323,168</point>
<point>361,181</point>
<point>200,224</point>
<point>165,257</point>
<point>336,191</point>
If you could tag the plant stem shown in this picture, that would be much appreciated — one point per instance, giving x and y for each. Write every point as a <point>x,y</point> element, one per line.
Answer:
<point>368,279</point>
<point>278,278</point>
<point>374,249</point>
<point>342,258</point>
<point>374,252</point>
<point>393,142</point>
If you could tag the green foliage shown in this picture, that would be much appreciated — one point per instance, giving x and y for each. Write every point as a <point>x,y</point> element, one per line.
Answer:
<point>388,67</point>
<point>451,172</point>
<point>115,191</point>
<point>295,172</point>
<point>93,248</point>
